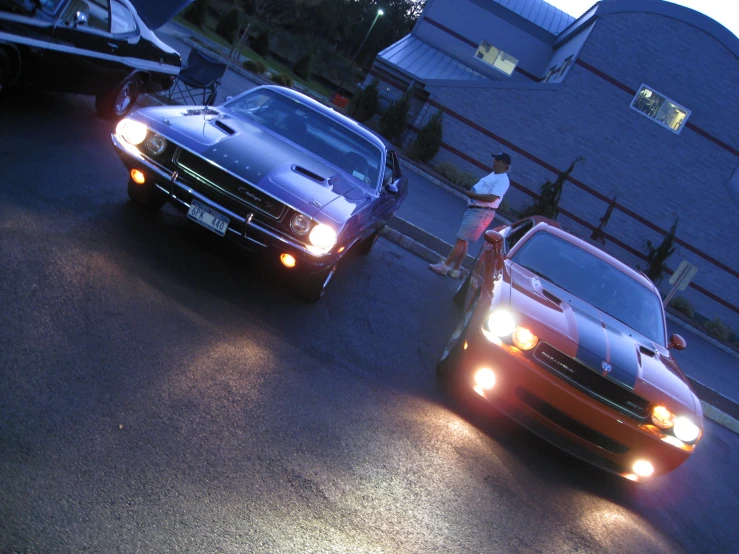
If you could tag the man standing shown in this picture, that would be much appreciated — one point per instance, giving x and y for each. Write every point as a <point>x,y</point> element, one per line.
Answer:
<point>483,199</point>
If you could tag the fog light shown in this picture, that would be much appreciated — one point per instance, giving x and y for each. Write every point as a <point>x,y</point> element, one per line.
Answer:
<point>138,177</point>
<point>643,468</point>
<point>287,260</point>
<point>485,378</point>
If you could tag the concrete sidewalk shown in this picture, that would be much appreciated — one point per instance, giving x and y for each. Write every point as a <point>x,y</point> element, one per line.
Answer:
<point>427,222</point>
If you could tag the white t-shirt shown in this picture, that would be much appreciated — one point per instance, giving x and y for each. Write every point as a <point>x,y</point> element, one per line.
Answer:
<point>495,183</point>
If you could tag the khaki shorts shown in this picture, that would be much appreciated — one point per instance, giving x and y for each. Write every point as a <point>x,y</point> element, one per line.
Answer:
<point>474,222</point>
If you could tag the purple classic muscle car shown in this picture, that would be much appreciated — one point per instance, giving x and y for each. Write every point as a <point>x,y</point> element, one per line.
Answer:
<point>272,169</point>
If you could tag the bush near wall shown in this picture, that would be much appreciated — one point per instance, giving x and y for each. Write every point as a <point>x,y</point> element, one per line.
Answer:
<point>282,80</point>
<point>255,67</point>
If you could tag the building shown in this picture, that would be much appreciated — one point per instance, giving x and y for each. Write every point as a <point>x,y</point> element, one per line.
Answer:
<point>645,90</point>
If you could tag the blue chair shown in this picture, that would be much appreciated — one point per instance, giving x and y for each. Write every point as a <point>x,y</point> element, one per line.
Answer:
<point>201,75</point>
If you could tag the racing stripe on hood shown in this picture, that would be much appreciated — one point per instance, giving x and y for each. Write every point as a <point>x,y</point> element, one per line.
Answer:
<point>602,348</point>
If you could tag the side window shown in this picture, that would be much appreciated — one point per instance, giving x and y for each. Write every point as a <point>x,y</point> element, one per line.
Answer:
<point>389,171</point>
<point>122,21</point>
<point>517,233</point>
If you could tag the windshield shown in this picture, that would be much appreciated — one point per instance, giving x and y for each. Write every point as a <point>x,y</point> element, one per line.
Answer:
<point>315,132</point>
<point>595,281</point>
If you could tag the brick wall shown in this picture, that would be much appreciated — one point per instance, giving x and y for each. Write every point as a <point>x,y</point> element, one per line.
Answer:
<point>656,173</point>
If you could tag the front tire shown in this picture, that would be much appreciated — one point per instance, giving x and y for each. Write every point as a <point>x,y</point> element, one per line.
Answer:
<point>146,195</point>
<point>366,245</point>
<point>117,103</point>
<point>312,287</point>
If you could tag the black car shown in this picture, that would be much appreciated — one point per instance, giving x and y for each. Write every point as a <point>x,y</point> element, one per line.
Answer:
<point>271,169</point>
<point>97,47</point>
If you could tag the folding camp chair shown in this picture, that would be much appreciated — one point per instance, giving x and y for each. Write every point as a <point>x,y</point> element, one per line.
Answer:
<point>201,74</point>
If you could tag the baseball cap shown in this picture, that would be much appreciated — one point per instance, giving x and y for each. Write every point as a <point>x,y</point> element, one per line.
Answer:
<point>503,157</point>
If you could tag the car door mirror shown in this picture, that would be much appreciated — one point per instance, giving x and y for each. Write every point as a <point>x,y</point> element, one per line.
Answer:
<point>80,18</point>
<point>677,342</point>
<point>495,239</point>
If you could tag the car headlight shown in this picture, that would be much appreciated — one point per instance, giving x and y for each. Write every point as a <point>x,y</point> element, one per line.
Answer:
<point>524,339</point>
<point>132,131</point>
<point>156,144</point>
<point>662,417</point>
<point>500,323</point>
<point>686,430</point>
<point>300,224</point>
<point>323,237</point>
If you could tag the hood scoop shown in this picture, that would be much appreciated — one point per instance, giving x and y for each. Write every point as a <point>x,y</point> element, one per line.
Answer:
<point>311,175</point>
<point>551,296</point>
<point>223,127</point>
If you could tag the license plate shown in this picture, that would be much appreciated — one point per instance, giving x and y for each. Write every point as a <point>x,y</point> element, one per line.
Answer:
<point>208,218</point>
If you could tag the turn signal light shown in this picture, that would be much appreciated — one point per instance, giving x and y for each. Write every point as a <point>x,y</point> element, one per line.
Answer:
<point>287,260</point>
<point>138,177</point>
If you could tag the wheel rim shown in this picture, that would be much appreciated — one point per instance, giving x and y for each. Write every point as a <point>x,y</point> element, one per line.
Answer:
<point>126,97</point>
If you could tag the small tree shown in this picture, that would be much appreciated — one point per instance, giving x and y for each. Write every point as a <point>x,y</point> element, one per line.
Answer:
<point>657,255</point>
<point>548,203</point>
<point>302,67</point>
<point>364,105</point>
<point>395,120</point>
<point>598,234</point>
<point>195,13</point>
<point>261,44</point>
<point>228,25</point>
<point>428,140</point>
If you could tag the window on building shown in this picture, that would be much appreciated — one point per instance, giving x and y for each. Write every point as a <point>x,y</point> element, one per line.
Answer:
<point>661,109</point>
<point>502,61</point>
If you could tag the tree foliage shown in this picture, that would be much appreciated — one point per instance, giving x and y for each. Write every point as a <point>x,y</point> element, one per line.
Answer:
<point>229,25</point>
<point>261,44</point>
<point>395,120</point>
<point>428,140</point>
<point>303,67</point>
<point>196,12</point>
<point>657,256</point>
<point>547,204</point>
<point>364,105</point>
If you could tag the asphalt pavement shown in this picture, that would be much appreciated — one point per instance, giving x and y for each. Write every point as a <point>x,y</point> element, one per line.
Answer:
<point>427,222</point>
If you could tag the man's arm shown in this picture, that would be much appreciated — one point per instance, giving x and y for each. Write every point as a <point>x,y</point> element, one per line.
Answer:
<point>481,197</point>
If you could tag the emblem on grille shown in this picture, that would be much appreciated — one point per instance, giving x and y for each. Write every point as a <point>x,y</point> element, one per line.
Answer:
<point>248,194</point>
<point>606,367</point>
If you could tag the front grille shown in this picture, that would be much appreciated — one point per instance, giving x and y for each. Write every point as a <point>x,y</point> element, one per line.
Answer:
<point>566,422</point>
<point>591,382</point>
<point>239,190</point>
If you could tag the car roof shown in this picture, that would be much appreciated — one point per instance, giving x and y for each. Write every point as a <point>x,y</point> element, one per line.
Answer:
<point>332,114</point>
<point>554,228</point>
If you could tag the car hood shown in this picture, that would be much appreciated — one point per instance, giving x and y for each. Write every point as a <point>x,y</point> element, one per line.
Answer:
<point>598,341</point>
<point>280,168</point>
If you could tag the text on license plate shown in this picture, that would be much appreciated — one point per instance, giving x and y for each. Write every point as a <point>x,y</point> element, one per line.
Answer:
<point>208,218</point>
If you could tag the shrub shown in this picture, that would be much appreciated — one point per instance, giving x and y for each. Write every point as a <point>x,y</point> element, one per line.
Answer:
<point>261,44</point>
<point>302,67</point>
<point>282,80</point>
<point>428,140</point>
<point>195,13</point>
<point>464,179</point>
<point>228,25</point>
<point>548,203</point>
<point>364,105</point>
<point>395,120</point>
<point>255,66</point>
<point>657,256</point>
<point>682,305</point>
<point>718,329</point>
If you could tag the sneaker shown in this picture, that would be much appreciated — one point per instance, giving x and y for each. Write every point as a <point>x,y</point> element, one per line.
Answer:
<point>441,268</point>
<point>453,273</point>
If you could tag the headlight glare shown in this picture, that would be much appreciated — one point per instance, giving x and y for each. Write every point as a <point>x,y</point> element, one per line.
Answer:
<point>662,417</point>
<point>323,237</point>
<point>156,144</point>
<point>300,224</point>
<point>500,323</point>
<point>524,339</point>
<point>132,131</point>
<point>686,430</point>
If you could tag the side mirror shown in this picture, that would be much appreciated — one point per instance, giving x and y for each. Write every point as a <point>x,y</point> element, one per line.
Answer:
<point>677,342</point>
<point>495,239</point>
<point>80,18</point>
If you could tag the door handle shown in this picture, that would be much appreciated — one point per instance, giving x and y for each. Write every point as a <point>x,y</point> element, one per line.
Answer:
<point>113,45</point>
